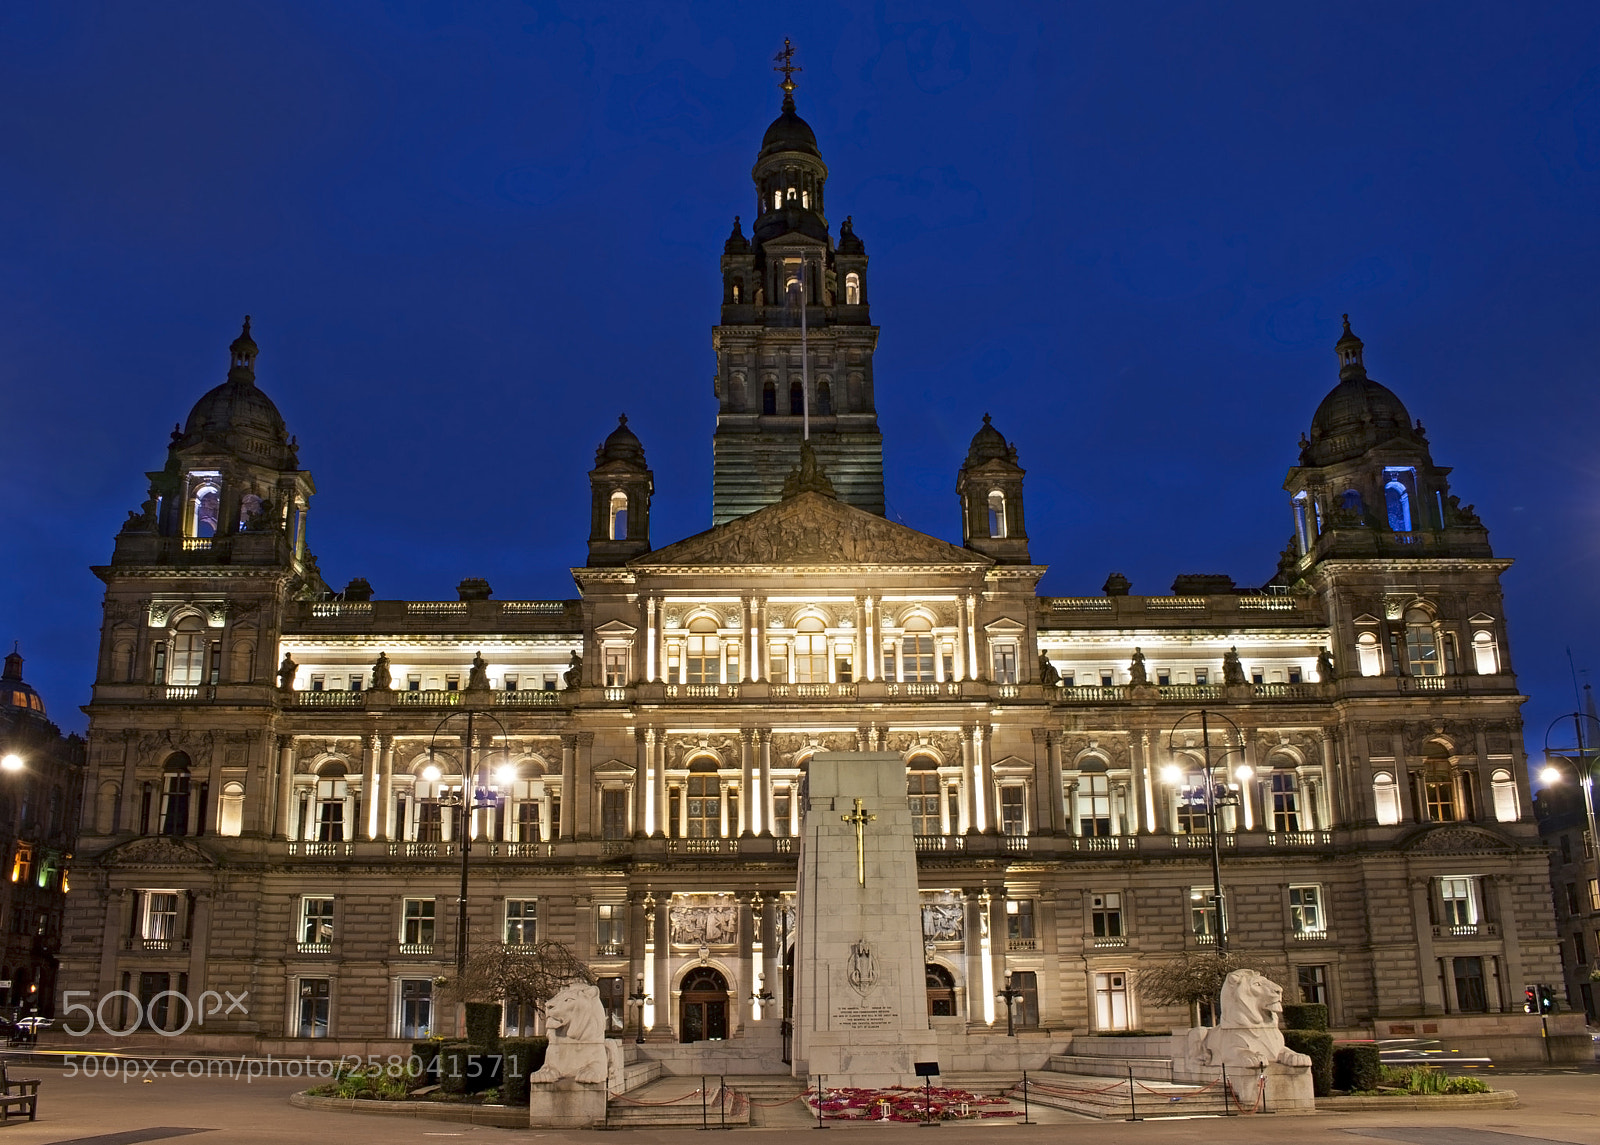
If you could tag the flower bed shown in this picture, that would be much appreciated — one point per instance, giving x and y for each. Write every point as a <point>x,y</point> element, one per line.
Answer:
<point>900,1103</point>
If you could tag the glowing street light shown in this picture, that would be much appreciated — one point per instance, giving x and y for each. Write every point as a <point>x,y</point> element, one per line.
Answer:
<point>11,762</point>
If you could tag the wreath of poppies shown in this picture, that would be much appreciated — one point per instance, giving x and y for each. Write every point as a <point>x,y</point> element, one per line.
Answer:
<point>905,1104</point>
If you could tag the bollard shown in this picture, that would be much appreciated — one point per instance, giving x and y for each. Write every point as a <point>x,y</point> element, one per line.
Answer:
<point>1227,1111</point>
<point>1261,1083</point>
<point>722,1099</point>
<point>703,1124</point>
<point>1025,1120</point>
<point>819,1124</point>
<point>1133,1107</point>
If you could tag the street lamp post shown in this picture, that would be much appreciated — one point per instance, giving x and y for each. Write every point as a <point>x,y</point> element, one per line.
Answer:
<point>1216,796</point>
<point>477,793</point>
<point>640,999</point>
<point>1585,765</point>
<point>1009,996</point>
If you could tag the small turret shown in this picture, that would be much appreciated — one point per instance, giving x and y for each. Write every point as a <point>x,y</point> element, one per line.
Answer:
<point>620,487</point>
<point>990,489</point>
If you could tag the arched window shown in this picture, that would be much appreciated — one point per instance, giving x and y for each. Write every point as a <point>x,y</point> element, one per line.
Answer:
<point>777,200</point>
<point>703,791</point>
<point>1437,786</point>
<point>1397,499</point>
<point>1350,501</point>
<point>916,651</point>
<point>824,399</point>
<point>242,669</point>
<point>618,530</point>
<point>206,505</point>
<point>941,992</point>
<point>792,194</point>
<point>1094,804</point>
<point>1302,523</point>
<point>175,795</point>
<point>704,653</point>
<point>230,814</point>
<point>738,291</point>
<point>1505,796</point>
<point>332,790</point>
<point>249,506</point>
<point>1285,801</point>
<point>852,289</point>
<point>923,793</point>
<point>1192,816</point>
<point>769,397</point>
<point>1368,654</point>
<point>1484,656</point>
<point>997,513</point>
<point>797,399</point>
<point>1422,645</point>
<point>187,665</point>
<point>810,652</point>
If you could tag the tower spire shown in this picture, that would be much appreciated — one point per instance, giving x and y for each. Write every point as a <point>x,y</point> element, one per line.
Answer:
<point>786,65</point>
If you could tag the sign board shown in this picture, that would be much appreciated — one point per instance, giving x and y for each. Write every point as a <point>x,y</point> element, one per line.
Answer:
<point>926,1069</point>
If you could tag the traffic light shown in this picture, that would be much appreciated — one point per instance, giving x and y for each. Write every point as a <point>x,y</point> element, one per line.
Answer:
<point>1547,999</point>
<point>1530,1000</point>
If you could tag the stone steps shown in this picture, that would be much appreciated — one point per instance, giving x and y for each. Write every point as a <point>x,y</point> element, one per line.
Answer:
<point>675,1103</point>
<point>1108,1098</point>
<point>986,1084</point>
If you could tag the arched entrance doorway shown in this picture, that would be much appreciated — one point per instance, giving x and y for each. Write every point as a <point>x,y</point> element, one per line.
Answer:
<point>941,992</point>
<point>703,1009</point>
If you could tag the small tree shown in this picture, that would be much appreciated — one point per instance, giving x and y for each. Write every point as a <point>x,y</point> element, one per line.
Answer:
<point>520,974</point>
<point>1191,979</point>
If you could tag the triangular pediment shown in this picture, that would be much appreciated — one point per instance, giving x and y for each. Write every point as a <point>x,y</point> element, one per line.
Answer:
<point>810,529</point>
<point>157,851</point>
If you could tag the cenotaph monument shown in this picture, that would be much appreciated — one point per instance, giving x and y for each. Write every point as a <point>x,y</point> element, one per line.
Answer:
<point>860,988</point>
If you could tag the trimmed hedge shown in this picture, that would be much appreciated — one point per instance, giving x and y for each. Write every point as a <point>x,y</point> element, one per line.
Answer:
<point>1305,1016</point>
<point>453,1069</point>
<point>1357,1069</point>
<point>426,1054</point>
<point>1318,1046</point>
<point>522,1057</point>
<point>483,1024</point>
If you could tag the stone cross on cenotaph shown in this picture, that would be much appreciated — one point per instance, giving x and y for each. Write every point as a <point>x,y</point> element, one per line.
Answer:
<point>860,983</point>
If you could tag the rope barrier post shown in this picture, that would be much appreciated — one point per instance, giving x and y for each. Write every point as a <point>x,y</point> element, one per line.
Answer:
<point>722,1099</point>
<point>1226,1110</point>
<point>1025,1120</point>
<point>703,1124</point>
<point>1133,1105</point>
<point>1261,1082</point>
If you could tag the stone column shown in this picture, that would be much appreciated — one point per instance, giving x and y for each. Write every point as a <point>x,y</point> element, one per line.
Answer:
<point>763,648</point>
<point>369,789</point>
<point>386,824</point>
<point>975,667</point>
<point>749,809</point>
<point>569,783</point>
<point>656,751</point>
<point>869,638</point>
<point>1427,963</point>
<point>1075,815</point>
<point>722,809</point>
<point>987,801</point>
<point>583,823</point>
<point>641,793</point>
<point>1152,789</point>
<point>1138,772</point>
<point>1409,811</point>
<point>764,747</point>
<point>683,812</point>
<point>127,805</point>
<point>1327,820</point>
<point>285,822</point>
<point>969,819</point>
<point>650,640</point>
<point>1510,945</point>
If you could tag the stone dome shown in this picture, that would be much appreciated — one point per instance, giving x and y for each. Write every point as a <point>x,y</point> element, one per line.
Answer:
<point>1357,414</point>
<point>622,445</point>
<point>988,444</point>
<point>789,133</point>
<point>237,410</point>
<point>16,693</point>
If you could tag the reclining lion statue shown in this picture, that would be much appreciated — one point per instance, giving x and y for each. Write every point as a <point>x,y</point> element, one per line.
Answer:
<point>575,1022</point>
<point>1247,1036</point>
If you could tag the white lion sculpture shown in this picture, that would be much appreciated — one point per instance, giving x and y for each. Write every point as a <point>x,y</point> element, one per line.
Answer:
<point>1248,1034</point>
<point>575,1022</point>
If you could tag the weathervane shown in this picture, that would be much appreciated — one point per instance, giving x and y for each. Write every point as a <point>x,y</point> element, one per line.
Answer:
<point>786,65</point>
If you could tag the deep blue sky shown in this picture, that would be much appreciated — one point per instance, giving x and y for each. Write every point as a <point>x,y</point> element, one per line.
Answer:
<point>472,233</point>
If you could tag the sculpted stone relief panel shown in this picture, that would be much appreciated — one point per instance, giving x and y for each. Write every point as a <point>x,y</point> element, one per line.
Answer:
<point>946,743</point>
<point>787,747</point>
<point>1113,748</point>
<point>682,749</point>
<point>703,920</point>
<point>943,916</point>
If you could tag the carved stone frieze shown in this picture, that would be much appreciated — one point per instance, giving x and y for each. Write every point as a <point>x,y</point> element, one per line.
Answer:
<point>1113,748</point>
<point>787,747</point>
<point>943,916</point>
<point>946,743</point>
<point>1458,841</point>
<point>157,851</point>
<point>703,920</point>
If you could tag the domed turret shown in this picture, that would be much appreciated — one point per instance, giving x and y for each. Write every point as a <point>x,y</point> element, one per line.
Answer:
<point>15,693</point>
<point>989,487</point>
<point>620,487</point>
<point>988,444</point>
<point>788,133</point>
<point>236,416</point>
<point>1357,414</point>
<point>622,445</point>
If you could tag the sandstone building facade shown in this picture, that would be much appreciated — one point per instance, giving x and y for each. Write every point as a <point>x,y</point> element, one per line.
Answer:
<point>278,769</point>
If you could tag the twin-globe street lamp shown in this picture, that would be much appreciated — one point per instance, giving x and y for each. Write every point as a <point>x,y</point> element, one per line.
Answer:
<point>1583,761</point>
<point>1216,794</point>
<point>478,794</point>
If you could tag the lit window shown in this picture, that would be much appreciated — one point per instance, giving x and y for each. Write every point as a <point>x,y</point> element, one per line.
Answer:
<point>1422,647</point>
<point>1397,485</point>
<point>1460,899</point>
<point>852,289</point>
<point>316,922</point>
<point>1203,914</point>
<point>187,664</point>
<point>1386,798</point>
<point>416,1008</point>
<point>1005,663</point>
<point>924,791</point>
<point>1105,913</point>
<point>916,651</point>
<point>1367,653</point>
<point>616,668</point>
<point>997,513</point>
<point>608,927</point>
<point>416,928</point>
<point>1504,791</point>
<point>704,653</point>
<point>1094,805</point>
<point>522,921</point>
<point>315,999</point>
<point>1019,920</point>
<point>1305,910</point>
<point>1484,657</point>
<point>160,922</point>
<point>618,528</point>
<point>1111,1001</point>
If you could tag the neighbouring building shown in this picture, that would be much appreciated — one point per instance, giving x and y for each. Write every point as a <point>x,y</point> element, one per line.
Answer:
<point>41,780</point>
<point>277,768</point>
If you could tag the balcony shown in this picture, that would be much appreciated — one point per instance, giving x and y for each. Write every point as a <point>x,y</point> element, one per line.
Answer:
<point>419,949</point>
<point>313,948</point>
<point>940,842</point>
<point>1467,930</point>
<point>1300,839</point>
<point>1318,935</point>
<point>1109,942</point>
<point>1201,841</point>
<point>1105,843</point>
<point>608,950</point>
<point>1016,842</point>
<point>339,699</point>
<point>157,945</point>
<point>1022,945</point>
<point>702,846</point>
<point>316,850</point>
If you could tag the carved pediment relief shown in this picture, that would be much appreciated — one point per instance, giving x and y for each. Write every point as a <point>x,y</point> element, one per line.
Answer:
<point>615,629</point>
<point>157,851</point>
<point>1457,840</point>
<point>810,529</point>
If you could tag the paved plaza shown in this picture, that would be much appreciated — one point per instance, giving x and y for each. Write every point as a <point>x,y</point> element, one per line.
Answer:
<point>1556,1107</point>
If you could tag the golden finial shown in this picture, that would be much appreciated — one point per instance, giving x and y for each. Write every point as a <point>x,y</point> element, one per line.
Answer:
<point>786,65</point>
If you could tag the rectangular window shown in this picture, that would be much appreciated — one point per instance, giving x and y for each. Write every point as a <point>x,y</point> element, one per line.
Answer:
<point>917,658</point>
<point>615,1001</point>
<point>780,811</point>
<point>318,682</point>
<point>522,922</point>
<point>731,650</point>
<point>1572,899</point>
<point>890,671</point>
<point>608,928</point>
<point>1025,1008</point>
<point>528,821</point>
<point>1019,920</point>
<point>417,928</point>
<point>430,821</point>
<point>844,668</point>
<point>1163,677</point>
<point>1305,910</point>
<point>1068,680</point>
<point>1105,913</point>
<point>1296,676</point>
<point>413,683</point>
<point>511,683</point>
<point>1106,679</point>
<point>160,916</point>
<point>1471,997</point>
<point>1005,663</point>
<point>1594,894</point>
<point>356,683</point>
<point>316,923</point>
<point>779,660</point>
<point>1579,950</point>
<point>1111,1001</point>
<point>1257,676</point>
<point>1012,810</point>
<point>1201,676</point>
<point>1313,981</point>
<point>1460,898</point>
<point>614,813</point>
<point>549,683</point>
<point>315,998</point>
<point>416,1008</point>
<point>452,683</point>
<point>1203,921</point>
